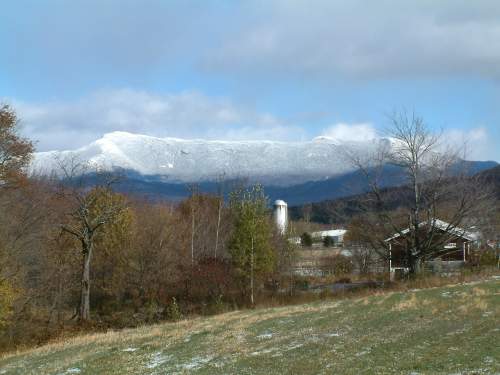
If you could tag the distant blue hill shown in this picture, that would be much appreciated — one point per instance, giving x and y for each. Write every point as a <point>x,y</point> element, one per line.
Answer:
<point>348,184</point>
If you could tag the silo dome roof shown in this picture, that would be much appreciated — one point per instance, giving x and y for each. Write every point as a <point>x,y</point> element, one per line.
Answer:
<point>280,202</point>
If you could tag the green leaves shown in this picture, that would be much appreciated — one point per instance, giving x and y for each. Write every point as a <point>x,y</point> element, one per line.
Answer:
<point>250,245</point>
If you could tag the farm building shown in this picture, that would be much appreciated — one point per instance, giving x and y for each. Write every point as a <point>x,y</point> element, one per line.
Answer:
<point>452,247</point>
<point>336,237</point>
<point>321,256</point>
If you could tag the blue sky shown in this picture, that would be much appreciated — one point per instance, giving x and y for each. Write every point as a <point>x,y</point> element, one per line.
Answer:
<point>281,70</point>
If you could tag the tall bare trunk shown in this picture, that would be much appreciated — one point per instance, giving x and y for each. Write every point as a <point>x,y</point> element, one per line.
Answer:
<point>416,217</point>
<point>192,237</point>
<point>84,314</point>
<point>219,209</point>
<point>251,274</point>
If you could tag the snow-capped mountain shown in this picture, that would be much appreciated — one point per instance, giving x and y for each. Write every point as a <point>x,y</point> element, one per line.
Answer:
<point>297,172</point>
<point>179,160</point>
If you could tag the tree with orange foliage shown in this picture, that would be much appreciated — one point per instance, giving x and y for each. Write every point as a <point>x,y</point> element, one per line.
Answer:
<point>15,151</point>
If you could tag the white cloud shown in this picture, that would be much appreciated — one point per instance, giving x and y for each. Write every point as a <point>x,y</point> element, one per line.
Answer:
<point>473,144</point>
<point>351,132</point>
<point>63,125</point>
<point>70,124</point>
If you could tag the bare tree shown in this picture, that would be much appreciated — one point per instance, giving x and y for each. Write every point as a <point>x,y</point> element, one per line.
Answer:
<point>155,255</point>
<point>220,205</point>
<point>90,211</point>
<point>364,256</point>
<point>433,186</point>
<point>194,190</point>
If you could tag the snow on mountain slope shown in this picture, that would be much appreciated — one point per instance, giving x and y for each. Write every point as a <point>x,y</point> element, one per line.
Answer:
<point>179,160</point>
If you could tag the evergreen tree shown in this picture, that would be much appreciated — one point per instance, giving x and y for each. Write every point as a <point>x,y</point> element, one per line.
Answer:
<point>250,245</point>
<point>328,241</point>
<point>306,240</point>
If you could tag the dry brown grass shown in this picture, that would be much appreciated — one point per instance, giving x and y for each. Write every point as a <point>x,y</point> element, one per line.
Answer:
<point>409,303</point>
<point>240,319</point>
<point>236,336</point>
<point>420,282</point>
<point>234,322</point>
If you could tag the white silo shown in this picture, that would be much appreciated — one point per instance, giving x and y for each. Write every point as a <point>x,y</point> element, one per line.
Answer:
<point>281,215</point>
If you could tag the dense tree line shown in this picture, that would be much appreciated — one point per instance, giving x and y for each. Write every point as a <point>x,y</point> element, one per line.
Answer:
<point>74,256</point>
<point>65,262</point>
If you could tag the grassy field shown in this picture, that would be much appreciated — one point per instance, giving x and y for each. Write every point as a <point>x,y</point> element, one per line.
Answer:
<point>446,330</point>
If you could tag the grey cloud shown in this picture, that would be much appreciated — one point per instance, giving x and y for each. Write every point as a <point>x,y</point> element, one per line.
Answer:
<point>70,124</point>
<point>299,39</point>
<point>367,40</point>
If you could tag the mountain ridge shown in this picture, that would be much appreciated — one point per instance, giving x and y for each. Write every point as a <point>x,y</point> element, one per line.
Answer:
<point>187,161</point>
<point>162,167</point>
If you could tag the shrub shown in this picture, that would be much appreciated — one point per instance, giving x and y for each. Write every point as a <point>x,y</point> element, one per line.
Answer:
<point>152,312</point>
<point>217,306</point>
<point>328,241</point>
<point>306,240</point>
<point>173,311</point>
<point>301,283</point>
<point>488,258</point>
<point>339,265</point>
<point>344,280</point>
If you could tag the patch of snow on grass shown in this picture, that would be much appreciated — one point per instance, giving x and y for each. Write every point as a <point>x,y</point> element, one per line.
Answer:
<point>265,351</point>
<point>295,345</point>
<point>476,371</point>
<point>73,370</point>
<point>285,321</point>
<point>190,335</point>
<point>472,282</point>
<point>265,336</point>
<point>363,352</point>
<point>157,359</point>
<point>196,363</point>
<point>333,334</point>
<point>130,350</point>
<point>458,331</point>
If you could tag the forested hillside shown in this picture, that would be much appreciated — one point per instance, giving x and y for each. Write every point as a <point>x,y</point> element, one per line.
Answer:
<point>341,210</point>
